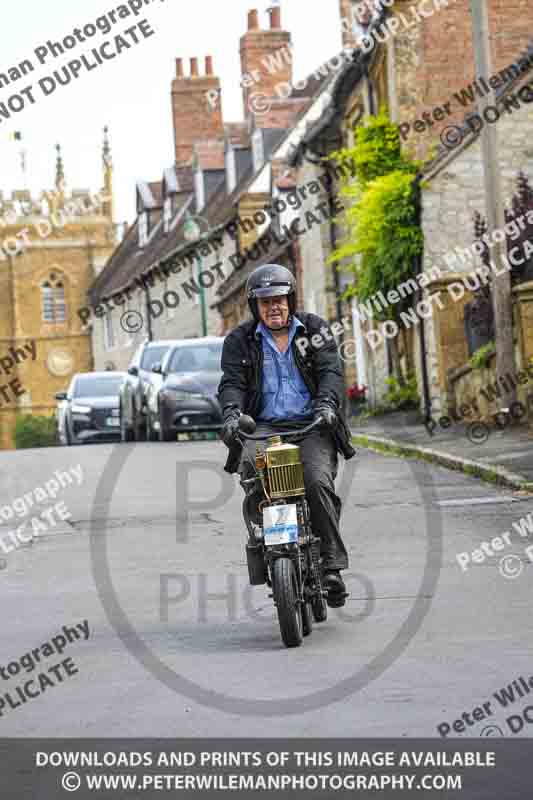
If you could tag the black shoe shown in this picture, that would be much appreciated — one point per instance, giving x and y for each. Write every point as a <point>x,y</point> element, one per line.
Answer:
<point>335,587</point>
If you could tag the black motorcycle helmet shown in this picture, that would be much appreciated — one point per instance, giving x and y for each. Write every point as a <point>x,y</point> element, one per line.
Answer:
<point>271,280</point>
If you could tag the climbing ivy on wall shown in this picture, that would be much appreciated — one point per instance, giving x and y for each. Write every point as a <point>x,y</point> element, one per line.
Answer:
<point>381,222</point>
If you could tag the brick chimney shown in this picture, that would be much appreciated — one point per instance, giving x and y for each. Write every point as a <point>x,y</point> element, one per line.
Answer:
<point>266,57</point>
<point>196,107</point>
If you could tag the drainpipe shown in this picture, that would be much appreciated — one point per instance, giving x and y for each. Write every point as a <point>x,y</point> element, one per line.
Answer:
<point>422,327</point>
<point>333,234</point>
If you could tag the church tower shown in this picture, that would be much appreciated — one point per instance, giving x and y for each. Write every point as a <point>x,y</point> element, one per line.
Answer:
<point>51,249</point>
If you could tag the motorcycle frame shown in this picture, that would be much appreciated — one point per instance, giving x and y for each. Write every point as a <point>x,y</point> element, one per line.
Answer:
<point>300,553</point>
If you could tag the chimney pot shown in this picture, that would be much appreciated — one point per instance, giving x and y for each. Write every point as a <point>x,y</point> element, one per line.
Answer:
<point>209,65</point>
<point>194,67</point>
<point>253,20</point>
<point>179,67</point>
<point>275,18</point>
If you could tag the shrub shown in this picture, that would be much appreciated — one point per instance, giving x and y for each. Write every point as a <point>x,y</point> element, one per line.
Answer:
<point>402,398</point>
<point>481,358</point>
<point>33,431</point>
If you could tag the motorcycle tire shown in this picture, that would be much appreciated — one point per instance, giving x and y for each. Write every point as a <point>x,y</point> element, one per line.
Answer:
<point>285,590</point>
<point>307,619</point>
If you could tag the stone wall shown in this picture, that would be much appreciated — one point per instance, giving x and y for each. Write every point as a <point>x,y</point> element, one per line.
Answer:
<point>449,199</point>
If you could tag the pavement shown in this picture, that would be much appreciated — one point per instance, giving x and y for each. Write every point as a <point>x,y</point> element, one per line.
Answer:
<point>180,645</point>
<point>506,457</point>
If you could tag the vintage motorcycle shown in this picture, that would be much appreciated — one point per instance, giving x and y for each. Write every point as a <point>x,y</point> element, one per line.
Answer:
<point>282,550</point>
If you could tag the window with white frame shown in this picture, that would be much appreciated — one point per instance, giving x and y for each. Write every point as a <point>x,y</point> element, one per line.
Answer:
<point>109,333</point>
<point>167,214</point>
<point>231,170</point>
<point>143,229</point>
<point>258,149</point>
<point>53,299</point>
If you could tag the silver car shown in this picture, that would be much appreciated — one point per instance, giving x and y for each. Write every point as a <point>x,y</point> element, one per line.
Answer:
<point>134,389</point>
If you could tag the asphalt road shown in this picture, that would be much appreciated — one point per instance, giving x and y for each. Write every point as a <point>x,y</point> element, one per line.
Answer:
<point>179,645</point>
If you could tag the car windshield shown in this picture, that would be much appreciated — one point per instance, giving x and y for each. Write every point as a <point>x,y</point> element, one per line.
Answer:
<point>151,356</point>
<point>97,387</point>
<point>196,358</point>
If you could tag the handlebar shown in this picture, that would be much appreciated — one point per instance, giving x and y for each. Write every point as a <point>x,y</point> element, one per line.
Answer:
<point>261,437</point>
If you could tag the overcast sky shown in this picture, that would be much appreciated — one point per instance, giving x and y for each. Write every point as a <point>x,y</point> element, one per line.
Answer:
<point>131,93</point>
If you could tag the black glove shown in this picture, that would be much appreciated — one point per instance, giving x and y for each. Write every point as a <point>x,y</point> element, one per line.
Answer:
<point>328,414</point>
<point>231,426</point>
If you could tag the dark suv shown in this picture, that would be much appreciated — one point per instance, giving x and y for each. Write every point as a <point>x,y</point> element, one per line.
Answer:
<point>185,405</point>
<point>89,410</point>
<point>133,390</point>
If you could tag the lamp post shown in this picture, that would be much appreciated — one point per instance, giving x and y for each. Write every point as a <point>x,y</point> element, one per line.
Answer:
<point>192,233</point>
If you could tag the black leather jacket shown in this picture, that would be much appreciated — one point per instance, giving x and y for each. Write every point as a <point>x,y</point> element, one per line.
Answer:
<point>320,367</point>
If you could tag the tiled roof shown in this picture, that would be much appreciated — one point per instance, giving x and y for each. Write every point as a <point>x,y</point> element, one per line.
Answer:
<point>129,261</point>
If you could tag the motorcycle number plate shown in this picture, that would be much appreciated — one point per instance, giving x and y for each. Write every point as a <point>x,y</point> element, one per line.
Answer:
<point>280,524</point>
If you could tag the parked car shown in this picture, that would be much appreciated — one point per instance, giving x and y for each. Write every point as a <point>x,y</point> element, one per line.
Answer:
<point>133,390</point>
<point>88,410</point>
<point>185,405</point>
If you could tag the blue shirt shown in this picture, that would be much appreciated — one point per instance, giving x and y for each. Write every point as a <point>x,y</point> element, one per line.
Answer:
<point>284,393</point>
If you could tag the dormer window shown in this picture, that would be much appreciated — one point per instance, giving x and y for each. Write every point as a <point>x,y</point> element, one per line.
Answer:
<point>167,214</point>
<point>258,150</point>
<point>231,171</point>
<point>199,189</point>
<point>143,228</point>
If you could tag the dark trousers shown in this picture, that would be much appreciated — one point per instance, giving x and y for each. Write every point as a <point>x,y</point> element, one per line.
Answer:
<point>319,459</point>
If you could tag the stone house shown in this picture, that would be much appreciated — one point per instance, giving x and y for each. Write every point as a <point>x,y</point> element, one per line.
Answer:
<point>421,66</point>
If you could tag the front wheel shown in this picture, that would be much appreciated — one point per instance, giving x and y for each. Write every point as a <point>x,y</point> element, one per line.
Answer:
<point>165,434</point>
<point>285,589</point>
<point>151,435</point>
<point>138,427</point>
<point>126,434</point>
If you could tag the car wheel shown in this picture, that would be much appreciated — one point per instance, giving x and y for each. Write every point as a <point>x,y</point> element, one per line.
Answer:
<point>165,434</point>
<point>126,434</point>
<point>138,428</point>
<point>67,435</point>
<point>151,435</point>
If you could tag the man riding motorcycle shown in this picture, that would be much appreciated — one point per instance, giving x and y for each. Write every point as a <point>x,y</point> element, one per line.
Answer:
<point>284,371</point>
